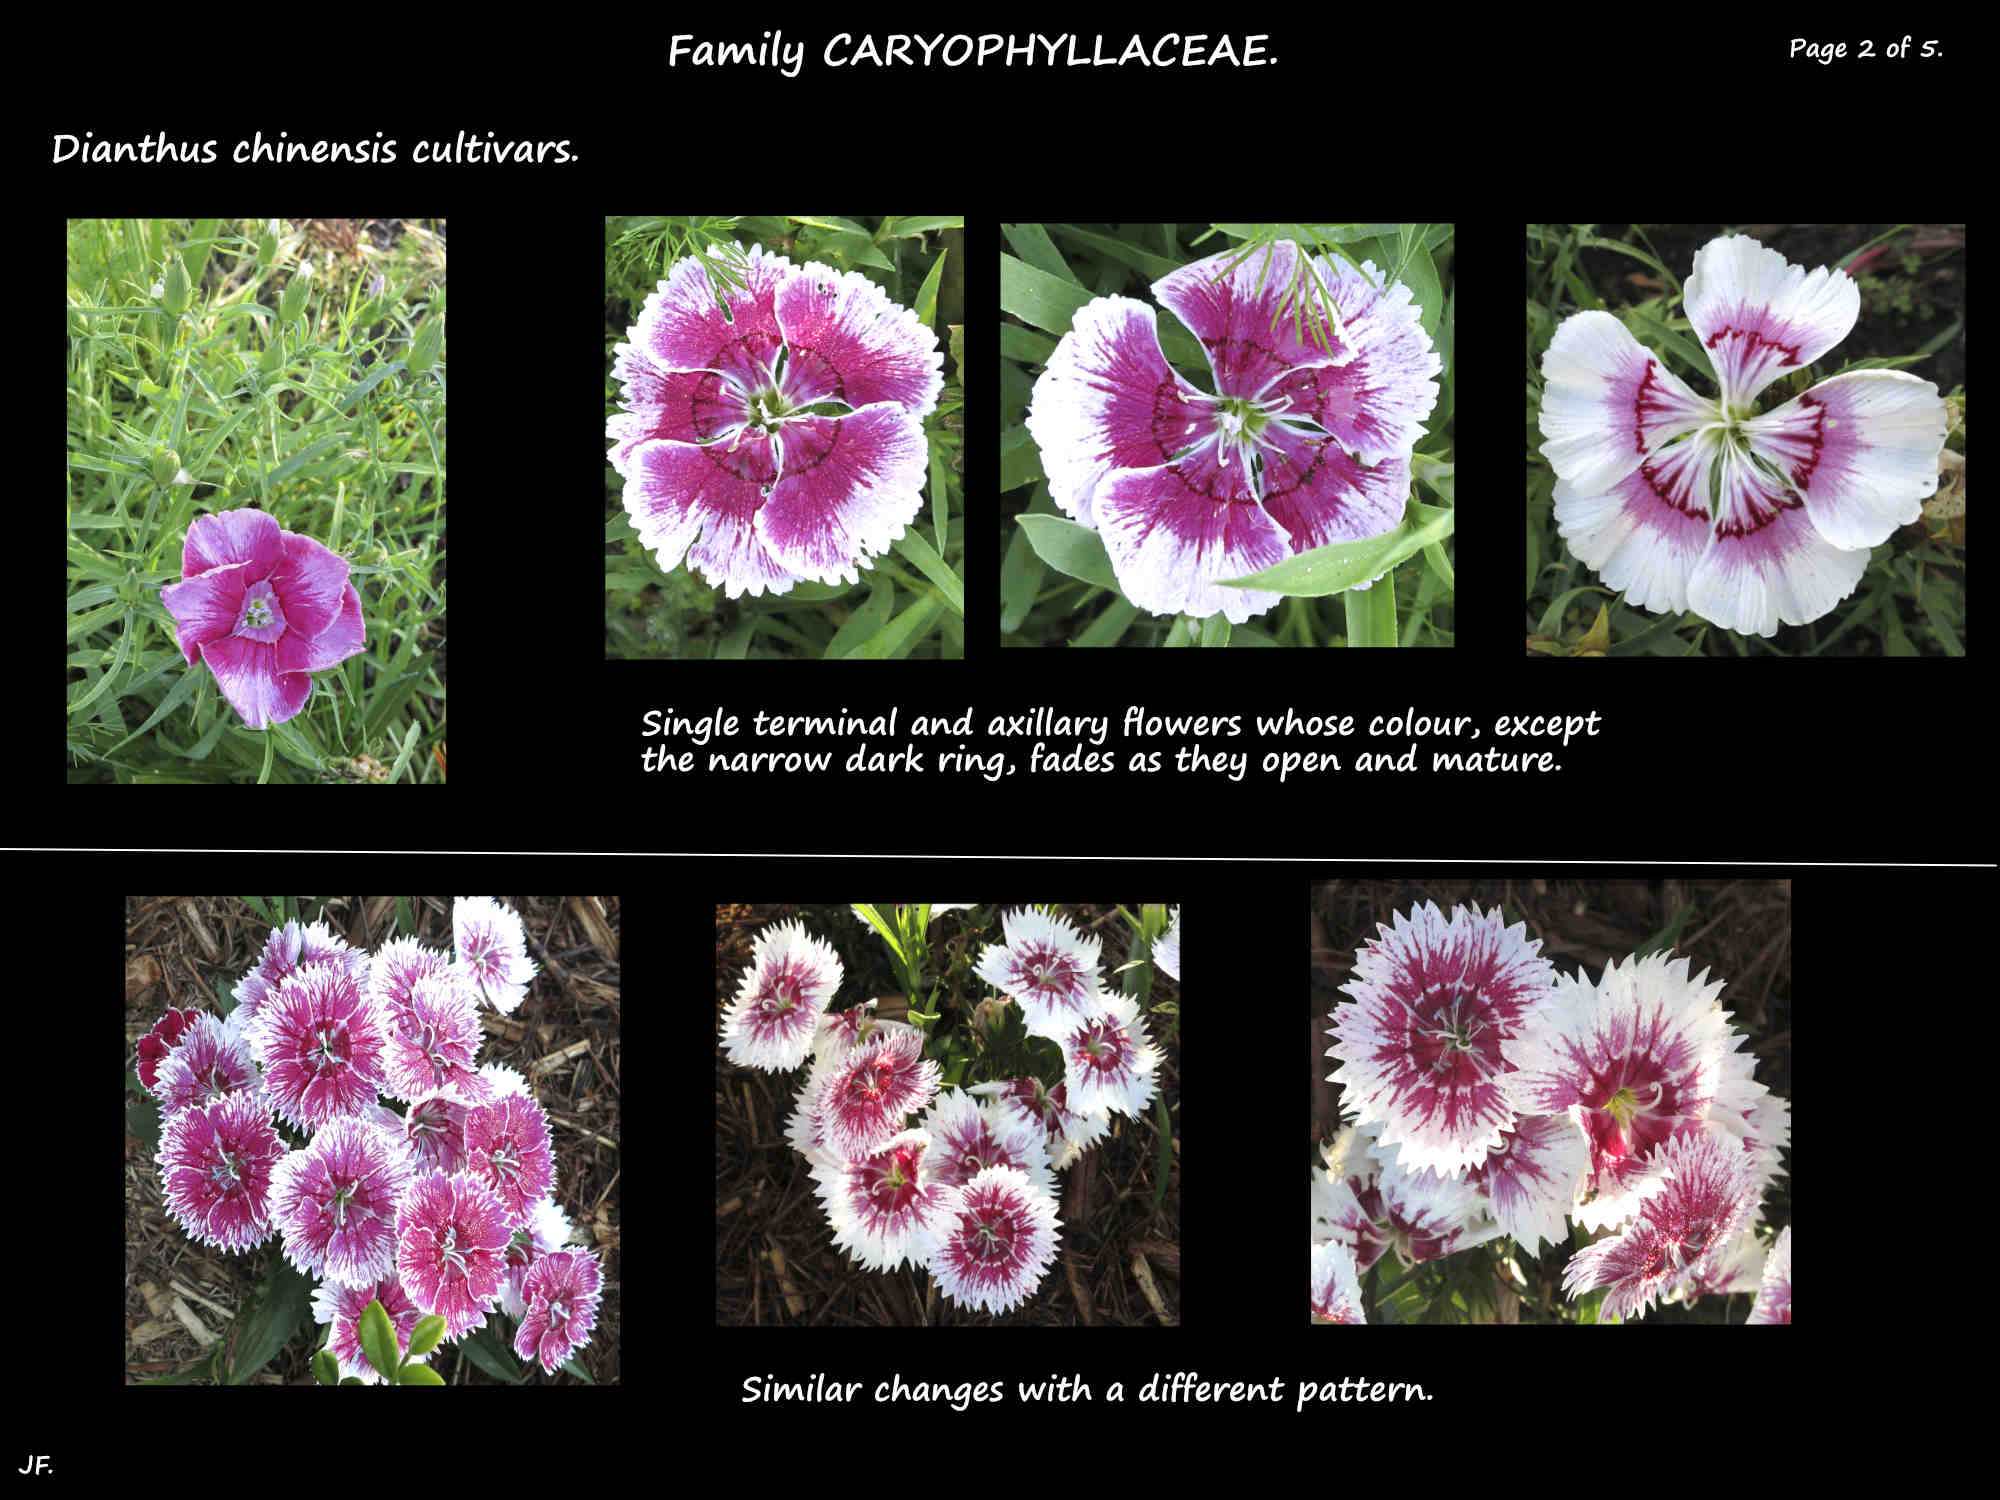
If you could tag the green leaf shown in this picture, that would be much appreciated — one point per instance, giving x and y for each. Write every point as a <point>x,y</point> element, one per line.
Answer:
<point>906,228</point>
<point>1020,460</point>
<point>927,294</point>
<point>901,634</point>
<point>872,614</point>
<point>378,1339</point>
<point>1164,1129</point>
<point>1069,548</point>
<point>418,1375</point>
<point>1341,565</point>
<point>424,1337</point>
<point>1151,266</point>
<point>940,501</point>
<point>488,1352</point>
<point>867,912</point>
<point>281,1305</point>
<point>326,1368</point>
<point>828,221</point>
<point>913,546</point>
<point>1032,243</point>
<point>1037,298</point>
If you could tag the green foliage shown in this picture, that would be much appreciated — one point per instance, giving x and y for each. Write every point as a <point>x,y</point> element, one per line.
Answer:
<point>911,603</point>
<point>1056,582</point>
<point>171,416</point>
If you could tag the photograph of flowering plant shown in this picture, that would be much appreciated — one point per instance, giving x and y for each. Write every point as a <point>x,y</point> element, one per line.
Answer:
<point>1210,434</point>
<point>1740,440</point>
<point>372,1140</point>
<point>784,406</point>
<point>1551,1101</point>
<point>256,466</point>
<point>946,1115</point>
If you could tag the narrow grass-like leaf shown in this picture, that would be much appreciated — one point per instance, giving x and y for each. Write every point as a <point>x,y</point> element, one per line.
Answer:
<point>913,546</point>
<point>927,294</point>
<point>1037,298</point>
<point>872,614</point>
<point>901,634</point>
<point>1341,565</point>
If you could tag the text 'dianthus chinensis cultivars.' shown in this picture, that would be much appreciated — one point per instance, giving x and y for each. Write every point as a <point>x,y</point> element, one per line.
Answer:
<point>778,436</point>
<point>1300,445</point>
<point>1687,502</point>
<point>264,607</point>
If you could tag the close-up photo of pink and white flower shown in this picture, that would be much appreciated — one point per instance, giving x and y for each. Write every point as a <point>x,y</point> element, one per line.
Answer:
<point>1507,1139</point>
<point>1765,504</point>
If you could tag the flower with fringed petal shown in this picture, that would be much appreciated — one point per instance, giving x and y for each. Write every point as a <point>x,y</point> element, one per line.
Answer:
<point>157,1043</point>
<point>1300,446</point>
<point>490,946</point>
<point>434,1046</point>
<point>452,1235</point>
<point>216,1165</point>
<point>548,1228</point>
<point>881,1201</point>
<point>777,437</point>
<point>209,1061</point>
<point>322,1045</point>
<point>285,950</point>
<point>560,1292</point>
<point>1800,494</point>
<point>342,1306</point>
<point>1069,1132</point>
<point>1420,1047</point>
<point>434,1129</point>
<point>1704,1194</point>
<point>507,1148</point>
<point>968,1135</point>
<point>393,974</point>
<point>772,1022</point>
<point>1635,1059</point>
<point>867,1094</point>
<point>994,1241</point>
<point>1046,965</point>
<point>1109,1061</point>
<point>334,1202</point>
<point>1530,1178</point>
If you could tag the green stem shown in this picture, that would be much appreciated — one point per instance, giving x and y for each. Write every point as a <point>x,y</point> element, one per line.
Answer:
<point>1371,614</point>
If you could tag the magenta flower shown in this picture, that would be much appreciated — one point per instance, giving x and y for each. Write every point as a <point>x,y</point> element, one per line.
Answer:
<point>157,1043</point>
<point>334,1202</point>
<point>342,1306</point>
<point>1774,1295</point>
<point>1068,1132</point>
<point>1635,1059</point>
<point>285,949</point>
<point>452,1235</point>
<point>216,1165</point>
<point>1420,1048</point>
<point>867,1093</point>
<point>434,1130</point>
<point>1704,1194</point>
<point>969,1135</point>
<point>1687,502</point>
<point>547,1229</point>
<point>209,1061</point>
<point>778,437</point>
<point>507,1148</point>
<point>492,950</point>
<point>434,1045</point>
<point>1109,1062</point>
<point>1298,447</point>
<point>772,1022</point>
<point>1336,1288</point>
<point>322,1043</point>
<point>560,1292</point>
<point>393,974</point>
<point>881,1201</point>
<point>840,1032</point>
<point>1381,1204</point>
<point>263,607</point>
<point>994,1242</point>
<point>1046,965</point>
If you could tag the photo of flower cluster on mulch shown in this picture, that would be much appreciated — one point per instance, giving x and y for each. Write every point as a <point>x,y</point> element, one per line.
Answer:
<point>198,1313</point>
<point>1454,1007</point>
<point>1116,1259</point>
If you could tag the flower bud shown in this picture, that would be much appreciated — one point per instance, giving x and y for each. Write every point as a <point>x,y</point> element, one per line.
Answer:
<point>267,246</point>
<point>174,289</point>
<point>424,345</point>
<point>165,464</point>
<point>293,303</point>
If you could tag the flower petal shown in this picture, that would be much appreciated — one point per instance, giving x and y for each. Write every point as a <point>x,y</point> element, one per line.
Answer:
<point>846,341</point>
<point>689,406</point>
<point>343,638</point>
<point>1759,316</point>
<point>231,536</point>
<point>1608,403</point>
<point>1646,533</point>
<point>1172,532</point>
<point>205,606</point>
<point>850,485</point>
<point>1767,564</point>
<point>701,503</point>
<point>1320,493</point>
<point>682,328</point>
<point>310,582</point>
<point>248,675</point>
<point>1109,400</point>
<point>1862,448</point>
<point>1377,398</point>
<point>1250,336</point>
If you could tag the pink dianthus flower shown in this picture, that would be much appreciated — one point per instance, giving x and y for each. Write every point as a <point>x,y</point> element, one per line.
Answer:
<point>216,1165</point>
<point>772,1021</point>
<point>1774,1296</point>
<point>435,1044</point>
<point>157,1043</point>
<point>560,1293</point>
<point>507,1148</point>
<point>881,1201</point>
<point>285,950</point>
<point>994,1241</point>
<point>209,1061</point>
<point>1046,965</point>
<point>451,1248</point>
<point>334,1202</point>
<point>342,1306</point>
<point>1109,1062</point>
<point>866,1095</point>
<point>323,1045</point>
<point>491,948</point>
